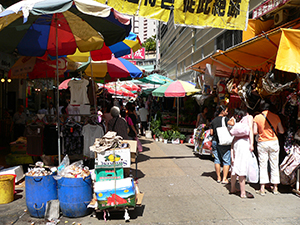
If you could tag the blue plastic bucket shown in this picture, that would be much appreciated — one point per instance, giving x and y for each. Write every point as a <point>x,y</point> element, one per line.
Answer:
<point>39,190</point>
<point>74,195</point>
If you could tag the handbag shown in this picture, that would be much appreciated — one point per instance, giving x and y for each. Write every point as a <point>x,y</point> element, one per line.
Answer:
<point>252,175</point>
<point>207,145</point>
<point>240,130</point>
<point>224,136</point>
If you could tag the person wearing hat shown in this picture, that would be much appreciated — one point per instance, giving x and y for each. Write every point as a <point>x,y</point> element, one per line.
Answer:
<point>118,123</point>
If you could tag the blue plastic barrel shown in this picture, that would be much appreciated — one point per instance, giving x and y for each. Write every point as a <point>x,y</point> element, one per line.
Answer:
<point>74,195</point>
<point>39,190</point>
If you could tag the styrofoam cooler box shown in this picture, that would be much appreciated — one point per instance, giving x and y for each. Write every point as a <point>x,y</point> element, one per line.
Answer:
<point>17,170</point>
<point>108,196</point>
<point>105,159</point>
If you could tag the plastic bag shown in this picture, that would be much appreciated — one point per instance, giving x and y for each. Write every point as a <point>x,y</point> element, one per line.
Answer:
<point>63,165</point>
<point>252,175</point>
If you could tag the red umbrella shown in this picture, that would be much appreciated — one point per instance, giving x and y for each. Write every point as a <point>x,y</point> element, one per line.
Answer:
<point>129,85</point>
<point>115,89</point>
<point>37,67</point>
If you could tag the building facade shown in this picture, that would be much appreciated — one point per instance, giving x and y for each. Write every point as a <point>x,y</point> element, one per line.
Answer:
<point>181,46</point>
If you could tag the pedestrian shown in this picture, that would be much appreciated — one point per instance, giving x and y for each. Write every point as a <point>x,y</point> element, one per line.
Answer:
<point>241,148</point>
<point>221,152</point>
<point>118,124</point>
<point>267,124</point>
<point>202,117</point>
<point>19,122</point>
<point>131,112</point>
<point>132,130</point>
<point>43,109</point>
<point>143,113</point>
<point>107,116</point>
<point>51,109</point>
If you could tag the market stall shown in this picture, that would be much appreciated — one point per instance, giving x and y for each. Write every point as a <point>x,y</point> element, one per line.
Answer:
<point>260,69</point>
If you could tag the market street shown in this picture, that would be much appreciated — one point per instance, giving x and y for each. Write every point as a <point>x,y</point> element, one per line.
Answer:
<point>181,188</point>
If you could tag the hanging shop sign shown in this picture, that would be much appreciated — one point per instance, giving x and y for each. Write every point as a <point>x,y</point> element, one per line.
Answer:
<point>226,14</point>
<point>139,54</point>
<point>267,7</point>
<point>6,61</point>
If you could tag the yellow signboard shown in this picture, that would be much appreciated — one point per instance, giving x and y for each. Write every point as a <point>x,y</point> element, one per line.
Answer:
<point>226,14</point>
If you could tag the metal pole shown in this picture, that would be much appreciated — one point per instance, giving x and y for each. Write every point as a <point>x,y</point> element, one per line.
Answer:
<point>57,94</point>
<point>177,111</point>
<point>93,84</point>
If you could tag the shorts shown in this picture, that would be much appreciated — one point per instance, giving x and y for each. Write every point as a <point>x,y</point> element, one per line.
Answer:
<point>226,157</point>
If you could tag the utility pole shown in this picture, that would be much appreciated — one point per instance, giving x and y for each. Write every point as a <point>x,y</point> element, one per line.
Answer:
<point>157,45</point>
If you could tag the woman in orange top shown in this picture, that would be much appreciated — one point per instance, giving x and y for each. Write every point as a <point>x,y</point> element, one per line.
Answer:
<point>267,146</point>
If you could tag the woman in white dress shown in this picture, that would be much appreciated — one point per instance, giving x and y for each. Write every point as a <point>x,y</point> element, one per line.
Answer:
<point>241,149</point>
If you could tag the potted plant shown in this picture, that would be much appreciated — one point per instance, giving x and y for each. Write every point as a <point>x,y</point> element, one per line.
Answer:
<point>175,137</point>
<point>170,132</point>
<point>160,136</point>
<point>182,138</point>
<point>157,134</point>
<point>165,136</point>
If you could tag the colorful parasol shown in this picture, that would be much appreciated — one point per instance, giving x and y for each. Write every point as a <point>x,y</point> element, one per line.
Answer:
<point>115,68</point>
<point>175,89</point>
<point>124,47</point>
<point>37,67</point>
<point>33,27</point>
<point>156,79</point>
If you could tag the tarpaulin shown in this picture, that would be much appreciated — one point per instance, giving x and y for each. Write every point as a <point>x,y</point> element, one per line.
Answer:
<point>280,47</point>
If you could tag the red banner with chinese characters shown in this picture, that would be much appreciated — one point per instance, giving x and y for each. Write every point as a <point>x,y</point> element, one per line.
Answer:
<point>267,7</point>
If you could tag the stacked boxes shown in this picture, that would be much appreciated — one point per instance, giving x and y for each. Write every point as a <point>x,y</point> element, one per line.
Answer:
<point>105,174</point>
<point>119,193</point>
<point>111,188</point>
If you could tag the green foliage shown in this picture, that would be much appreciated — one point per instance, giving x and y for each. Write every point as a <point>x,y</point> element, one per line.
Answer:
<point>158,133</point>
<point>175,134</point>
<point>154,125</point>
<point>182,137</point>
<point>165,135</point>
<point>150,44</point>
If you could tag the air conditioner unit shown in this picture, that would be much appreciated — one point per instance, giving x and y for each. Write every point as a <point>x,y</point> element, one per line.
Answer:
<point>281,17</point>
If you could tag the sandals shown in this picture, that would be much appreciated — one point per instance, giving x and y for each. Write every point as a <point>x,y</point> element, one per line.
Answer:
<point>248,195</point>
<point>262,193</point>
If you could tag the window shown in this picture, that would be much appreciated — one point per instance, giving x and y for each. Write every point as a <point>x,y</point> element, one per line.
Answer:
<point>228,39</point>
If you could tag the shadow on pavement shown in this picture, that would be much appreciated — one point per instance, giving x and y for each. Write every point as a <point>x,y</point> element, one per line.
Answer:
<point>143,141</point>
<point>212,174</point>
<point>119,214</point>
<point>142,158</point>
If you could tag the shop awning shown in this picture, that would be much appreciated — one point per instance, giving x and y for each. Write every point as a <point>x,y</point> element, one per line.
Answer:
<point>222,68</point>
<point>281,47</point>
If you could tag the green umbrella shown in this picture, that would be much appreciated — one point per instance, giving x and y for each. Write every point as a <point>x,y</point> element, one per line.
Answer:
<point>156,79</point>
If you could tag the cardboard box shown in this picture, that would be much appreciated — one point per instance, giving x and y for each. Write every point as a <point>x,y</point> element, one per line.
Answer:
<point>108,197</point>
<point>133,149</point>
<point>16,170</point>
<point>105,174</point>
<point>106,159</point>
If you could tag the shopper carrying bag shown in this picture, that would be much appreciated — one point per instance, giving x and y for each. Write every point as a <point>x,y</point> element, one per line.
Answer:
<point>221,152</point>
<point>224,136</point>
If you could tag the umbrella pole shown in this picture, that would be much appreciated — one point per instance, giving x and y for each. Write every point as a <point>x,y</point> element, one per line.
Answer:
<point>57,94</point>
<point>177,111</point>
<point>93,83</point>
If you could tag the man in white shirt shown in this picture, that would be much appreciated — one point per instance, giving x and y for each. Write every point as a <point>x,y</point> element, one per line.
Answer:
<point>143,113</point>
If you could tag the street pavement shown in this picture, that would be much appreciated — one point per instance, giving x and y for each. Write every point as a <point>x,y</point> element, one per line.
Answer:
<point>180,188</point>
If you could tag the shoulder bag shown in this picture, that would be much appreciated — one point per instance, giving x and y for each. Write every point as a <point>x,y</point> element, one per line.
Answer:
<point>224,136</point>
<point>270,124</point>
